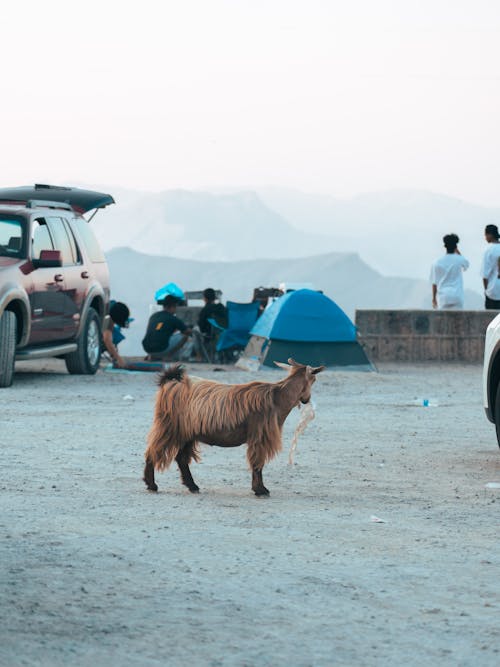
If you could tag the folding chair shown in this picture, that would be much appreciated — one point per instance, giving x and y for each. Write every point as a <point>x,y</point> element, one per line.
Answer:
<point>240,319</point>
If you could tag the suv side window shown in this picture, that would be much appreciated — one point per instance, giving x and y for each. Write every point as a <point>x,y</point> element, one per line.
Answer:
<point>62,241</point>
<point>86,235</point>
<point>41,239</point>
<point>72,241</point>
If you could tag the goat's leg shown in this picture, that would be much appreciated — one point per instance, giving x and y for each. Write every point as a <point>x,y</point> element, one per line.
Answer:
<point>149,475</point>
<point>257,484</point>
<point>256,459</point>
<point>183,459</point>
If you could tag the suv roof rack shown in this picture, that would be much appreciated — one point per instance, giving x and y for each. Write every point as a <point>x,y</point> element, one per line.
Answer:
<point>32,203</point>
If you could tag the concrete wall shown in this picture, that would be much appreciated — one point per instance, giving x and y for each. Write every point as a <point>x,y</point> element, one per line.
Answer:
<point>424,335</point>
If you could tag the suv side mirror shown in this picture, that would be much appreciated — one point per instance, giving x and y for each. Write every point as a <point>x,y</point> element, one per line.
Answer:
<point>48,259</point>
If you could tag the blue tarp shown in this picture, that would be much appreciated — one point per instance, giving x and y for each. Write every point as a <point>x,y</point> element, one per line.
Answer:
<point>169,288</point>
<point>305,316</point>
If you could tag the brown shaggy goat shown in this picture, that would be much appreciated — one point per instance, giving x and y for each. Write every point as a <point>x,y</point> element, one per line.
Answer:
<point>191,412</point>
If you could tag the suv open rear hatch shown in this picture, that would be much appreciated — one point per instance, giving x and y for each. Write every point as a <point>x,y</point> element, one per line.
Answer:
<point>80,201</point>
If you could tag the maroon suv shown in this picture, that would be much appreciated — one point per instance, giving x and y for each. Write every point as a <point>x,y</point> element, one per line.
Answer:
<point>54,280</point>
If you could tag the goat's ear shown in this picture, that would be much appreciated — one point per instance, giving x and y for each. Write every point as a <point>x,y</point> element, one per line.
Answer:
<point>317,370</point>
<point>285,367</point>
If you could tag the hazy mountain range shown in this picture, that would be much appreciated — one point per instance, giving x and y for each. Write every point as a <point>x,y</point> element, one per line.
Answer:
<point>202,225</point>
<point>397,233</point>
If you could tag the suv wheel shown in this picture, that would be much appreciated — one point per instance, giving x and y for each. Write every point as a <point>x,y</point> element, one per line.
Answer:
<point>8,326</point>
<point>85,360</point>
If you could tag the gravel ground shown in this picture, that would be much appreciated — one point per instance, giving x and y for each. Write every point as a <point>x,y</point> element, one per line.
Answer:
<point>95,570</point>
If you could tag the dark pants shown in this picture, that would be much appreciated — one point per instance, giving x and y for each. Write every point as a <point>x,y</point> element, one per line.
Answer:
<point>491,304</point>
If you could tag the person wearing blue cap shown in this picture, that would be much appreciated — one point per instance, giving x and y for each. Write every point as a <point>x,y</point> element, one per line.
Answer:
<point>167,337</point>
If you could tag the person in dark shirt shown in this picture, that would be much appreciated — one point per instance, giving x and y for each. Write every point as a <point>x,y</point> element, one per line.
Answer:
<point>167,337</point>
<point>211,311</point>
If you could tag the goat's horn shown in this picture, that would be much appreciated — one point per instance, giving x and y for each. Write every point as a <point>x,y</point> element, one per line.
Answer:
<point>280,364</point>
<point>292,362</point>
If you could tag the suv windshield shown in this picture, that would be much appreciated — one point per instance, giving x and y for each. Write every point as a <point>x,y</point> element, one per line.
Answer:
<point>11,236</point>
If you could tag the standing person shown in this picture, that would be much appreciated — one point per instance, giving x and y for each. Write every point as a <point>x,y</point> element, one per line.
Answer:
<point>167,337</point>
<point>490,269</point>
<point>446,276</point>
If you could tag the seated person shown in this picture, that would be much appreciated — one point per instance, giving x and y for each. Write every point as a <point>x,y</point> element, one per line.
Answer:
<point>118,317</point>
<point>167,337</point>
<point>211,311</point>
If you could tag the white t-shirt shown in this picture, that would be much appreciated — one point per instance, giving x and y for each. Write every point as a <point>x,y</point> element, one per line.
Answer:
<point>446,273</point>
<point>490,269</point>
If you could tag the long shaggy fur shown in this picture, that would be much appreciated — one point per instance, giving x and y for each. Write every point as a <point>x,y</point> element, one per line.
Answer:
<point>192,412</point>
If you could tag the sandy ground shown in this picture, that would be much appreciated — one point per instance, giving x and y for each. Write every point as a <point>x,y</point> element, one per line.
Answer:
<point>95,570</point>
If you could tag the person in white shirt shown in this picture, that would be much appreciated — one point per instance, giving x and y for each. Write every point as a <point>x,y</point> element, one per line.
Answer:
<point>490,269</point>
<point>446,276</point>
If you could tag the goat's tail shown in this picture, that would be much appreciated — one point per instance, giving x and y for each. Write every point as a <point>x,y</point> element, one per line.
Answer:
<point>166,436</point>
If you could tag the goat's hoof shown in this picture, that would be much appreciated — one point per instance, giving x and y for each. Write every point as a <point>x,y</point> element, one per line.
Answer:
<point>194,489</point>
<point>152,486</point>
<point>261,491</point>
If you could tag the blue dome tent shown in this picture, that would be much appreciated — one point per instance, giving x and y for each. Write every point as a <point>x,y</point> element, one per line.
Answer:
<point>309,327</point>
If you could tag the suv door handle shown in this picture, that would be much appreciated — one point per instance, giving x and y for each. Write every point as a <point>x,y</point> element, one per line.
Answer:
<point>84,274</point>
<point>59,277</point>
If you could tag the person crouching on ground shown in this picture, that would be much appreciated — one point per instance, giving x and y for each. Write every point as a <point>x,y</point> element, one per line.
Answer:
<point>447,276</point>
<point>490,269</point>
<point>119,316</point>
<point>167,336</point>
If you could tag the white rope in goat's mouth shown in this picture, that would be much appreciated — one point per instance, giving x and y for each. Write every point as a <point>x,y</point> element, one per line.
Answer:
<point>308,414</point>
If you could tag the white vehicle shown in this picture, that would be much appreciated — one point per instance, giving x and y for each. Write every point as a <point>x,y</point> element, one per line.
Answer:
<point>491,374</point>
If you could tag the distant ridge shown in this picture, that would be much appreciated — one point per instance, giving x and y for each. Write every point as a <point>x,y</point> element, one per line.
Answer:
<point>202,225</point>
<point>399,233</point>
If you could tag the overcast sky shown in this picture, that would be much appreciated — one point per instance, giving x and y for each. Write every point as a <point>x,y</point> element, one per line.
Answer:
<point>323,95</point>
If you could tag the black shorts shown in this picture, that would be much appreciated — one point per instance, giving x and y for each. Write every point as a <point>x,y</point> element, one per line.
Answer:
<point>491,304</point>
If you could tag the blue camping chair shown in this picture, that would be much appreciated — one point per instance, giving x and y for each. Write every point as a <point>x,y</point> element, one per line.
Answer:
<point>240,319</point>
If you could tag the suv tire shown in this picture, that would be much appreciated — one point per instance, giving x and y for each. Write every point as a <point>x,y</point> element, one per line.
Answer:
<point>8,327</point>
<point>85,360</point>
